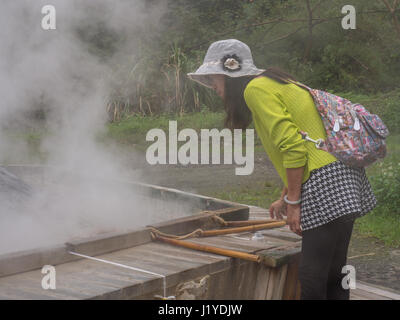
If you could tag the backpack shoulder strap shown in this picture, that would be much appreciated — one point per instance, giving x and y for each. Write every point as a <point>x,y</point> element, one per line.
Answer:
<point>301,85</point>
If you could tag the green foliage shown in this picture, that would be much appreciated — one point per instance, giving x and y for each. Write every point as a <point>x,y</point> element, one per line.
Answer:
<point>380,225</point>
<point>385,105</point>
<point>391,113</point>
<point>153,81</point>
<point>387,185</point>
<point>384,221</point>
<point>133,129</point>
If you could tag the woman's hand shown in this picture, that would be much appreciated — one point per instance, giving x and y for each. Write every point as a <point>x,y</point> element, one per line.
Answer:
<point>277,209</point>
<point>293,218</point>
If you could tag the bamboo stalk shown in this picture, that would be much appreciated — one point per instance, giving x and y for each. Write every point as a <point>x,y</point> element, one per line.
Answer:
<point>247,223</point>
<point>211,249</point>
<point>251,228</point>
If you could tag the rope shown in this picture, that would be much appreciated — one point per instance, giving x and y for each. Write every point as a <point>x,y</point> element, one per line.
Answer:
<point>219,220</point>
<point>195,233</point>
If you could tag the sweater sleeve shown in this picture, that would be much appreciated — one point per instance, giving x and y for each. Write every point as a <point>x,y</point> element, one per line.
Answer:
<point>277,125</point>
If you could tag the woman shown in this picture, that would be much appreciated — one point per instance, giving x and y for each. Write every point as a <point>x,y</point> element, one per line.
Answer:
<point>321,195</point>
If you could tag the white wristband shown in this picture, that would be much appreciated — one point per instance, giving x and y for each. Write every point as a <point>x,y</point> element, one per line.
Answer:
<point>291,202</point>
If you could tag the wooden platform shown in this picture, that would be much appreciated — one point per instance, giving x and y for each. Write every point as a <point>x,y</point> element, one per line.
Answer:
<point>155,268</point>
<point>366,291</point>
<point>147,269</point>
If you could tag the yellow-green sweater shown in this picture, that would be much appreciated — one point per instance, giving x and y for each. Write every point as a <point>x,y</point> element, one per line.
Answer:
<point>279,112</point>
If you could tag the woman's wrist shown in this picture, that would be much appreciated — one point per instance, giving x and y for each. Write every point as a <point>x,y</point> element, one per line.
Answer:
<point>292,202</point>
<point>293,194</point>
<point>284,192</point>
<point>293,197</point>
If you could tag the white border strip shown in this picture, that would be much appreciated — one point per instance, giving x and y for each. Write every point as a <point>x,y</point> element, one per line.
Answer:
<point>126,267</point>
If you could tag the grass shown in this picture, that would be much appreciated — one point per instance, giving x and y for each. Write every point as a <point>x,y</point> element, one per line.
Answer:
<point>133,129</point>
<point>383,226</point>
<point>384,221</point>
<point>260,195</point>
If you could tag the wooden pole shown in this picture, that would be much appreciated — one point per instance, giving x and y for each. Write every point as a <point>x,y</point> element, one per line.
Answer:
<point>211,249</point>
<point>251,228</point>
<point>247,223</point>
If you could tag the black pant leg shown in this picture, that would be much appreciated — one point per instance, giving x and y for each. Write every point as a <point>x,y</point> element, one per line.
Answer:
<point>318,249</point>
<point>335,289</point>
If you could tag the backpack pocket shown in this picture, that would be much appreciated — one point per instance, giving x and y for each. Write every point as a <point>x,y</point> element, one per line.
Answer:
<point>373,124</point>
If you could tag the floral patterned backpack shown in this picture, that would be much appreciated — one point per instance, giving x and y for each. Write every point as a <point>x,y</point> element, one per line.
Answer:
<point>354,135</point>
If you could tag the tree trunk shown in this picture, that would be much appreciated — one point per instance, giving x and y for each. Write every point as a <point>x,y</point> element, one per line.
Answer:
<point>309,44</point>
<point>392,10</point>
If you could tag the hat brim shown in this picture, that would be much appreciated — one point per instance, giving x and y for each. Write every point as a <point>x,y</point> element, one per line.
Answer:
<point>203,75</point>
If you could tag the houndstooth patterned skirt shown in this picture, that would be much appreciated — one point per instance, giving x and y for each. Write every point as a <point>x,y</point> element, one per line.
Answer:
<point>334,191</point>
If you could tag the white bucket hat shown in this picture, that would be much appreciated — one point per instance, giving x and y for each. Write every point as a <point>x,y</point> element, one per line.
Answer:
<point>230,57</point>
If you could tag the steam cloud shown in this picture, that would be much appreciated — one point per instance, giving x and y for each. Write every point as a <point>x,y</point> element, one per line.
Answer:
<point>56,70</point>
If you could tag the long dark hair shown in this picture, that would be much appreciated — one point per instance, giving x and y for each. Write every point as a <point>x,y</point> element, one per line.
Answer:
<point>238,115</point>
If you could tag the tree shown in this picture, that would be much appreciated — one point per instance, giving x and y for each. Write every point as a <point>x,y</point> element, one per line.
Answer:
<point>392,10</point>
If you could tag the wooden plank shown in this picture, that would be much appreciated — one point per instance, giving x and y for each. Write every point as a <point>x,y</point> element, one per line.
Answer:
<point>242,283</point>
<point>357,296</point>
<point>262,214</point>
<point>232,244</point>
<point>250,280</point>
<point>220,243</point>
<point>244,278</point>
<point>365,295</point>
<point>272,283</point>
<point>11,293</point>
<point>289,291</point>
<point>266,239</point>
<point>380,291</point>
<point>246,244</point>
<point>273,239</point>
<point>280,233</point>
<point>258,216</point>
<point>109,242</point>
<point>119,278</point>
<point>28,286</point>
<point>220,285</point>
<point>12,263</point>
<point>189,258</point>
<point>281,283</point>
<point>354,296</point>
<point>175,269</point>
<point>169,252</point>
<point>152,262</point>
<point>277,258</point>
<point>73,281</point>
<point>233,277</point>
<point>259,213</point>
<point>262,283</point>
<point>257,209</point>
<point>298,291</point>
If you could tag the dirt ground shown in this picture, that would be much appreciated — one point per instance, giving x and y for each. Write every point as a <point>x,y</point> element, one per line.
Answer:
<point>374,263</point>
